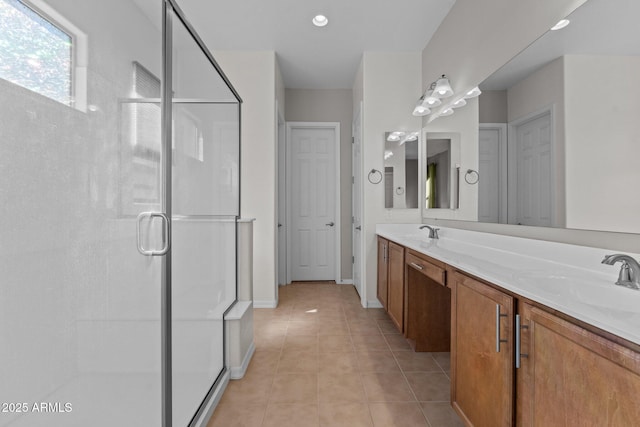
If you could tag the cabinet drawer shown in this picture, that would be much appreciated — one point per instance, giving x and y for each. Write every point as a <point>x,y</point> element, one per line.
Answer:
<point>427,268</point>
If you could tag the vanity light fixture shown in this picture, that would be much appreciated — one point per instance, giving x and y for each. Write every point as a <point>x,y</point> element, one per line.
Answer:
<point>420,109</point>
<point>429,100</point>
<point>446,112</point>
<point>413,136</point>
<point>395,136</point>
<point>459,103</point>
<point>443,88</point>
<point>473,93</point>
<point>320,20</point>
<point>560,25</point>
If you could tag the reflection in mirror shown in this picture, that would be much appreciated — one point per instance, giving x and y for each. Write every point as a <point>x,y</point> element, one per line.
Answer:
<point>401,170</point>
<point>558,139</point>
<point>441,171</point>
<point>437,184</point>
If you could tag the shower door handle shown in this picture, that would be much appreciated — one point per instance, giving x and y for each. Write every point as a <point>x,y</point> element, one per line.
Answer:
<point>166,233</point>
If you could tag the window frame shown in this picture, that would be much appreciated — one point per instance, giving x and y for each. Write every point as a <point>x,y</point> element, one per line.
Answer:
<point>79,53</point>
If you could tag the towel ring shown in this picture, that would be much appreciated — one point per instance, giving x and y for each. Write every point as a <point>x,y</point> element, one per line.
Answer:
<point>399,190</point>
<point>373,178</point>
<point>471,177</point>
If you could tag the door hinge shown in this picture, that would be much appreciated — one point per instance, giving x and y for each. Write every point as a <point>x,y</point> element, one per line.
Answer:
<point>353,179</point>
<point>353,260</point>
<point>353,220</point>
<point>353,139</point>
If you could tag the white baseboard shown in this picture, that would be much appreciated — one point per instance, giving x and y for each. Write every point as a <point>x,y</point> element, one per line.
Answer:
<point>238,372</point>
<point>213,402</point>
<point>344,282</point>
<point>265,304</point>
<point>374,304</point>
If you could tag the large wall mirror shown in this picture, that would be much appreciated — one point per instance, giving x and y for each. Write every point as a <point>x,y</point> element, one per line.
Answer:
<point>401,182</point>
<point>559,126</point>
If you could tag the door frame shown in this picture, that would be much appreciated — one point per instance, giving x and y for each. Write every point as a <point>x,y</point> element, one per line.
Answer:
<point>503,167</point>
<point>314,125</point>
<point>512,178</point>
<point>356,200</point>
<point>281,198</point>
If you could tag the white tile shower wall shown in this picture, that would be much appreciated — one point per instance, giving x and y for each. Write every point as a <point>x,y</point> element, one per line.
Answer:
<point>64,249</point>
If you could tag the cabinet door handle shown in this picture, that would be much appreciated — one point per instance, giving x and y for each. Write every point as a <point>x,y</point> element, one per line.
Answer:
<point>498,339</point>
<point>418,266</point>
<point>519,355</point>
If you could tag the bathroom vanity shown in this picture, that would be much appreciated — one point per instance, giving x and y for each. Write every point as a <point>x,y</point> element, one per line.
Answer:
<point>540,335</point>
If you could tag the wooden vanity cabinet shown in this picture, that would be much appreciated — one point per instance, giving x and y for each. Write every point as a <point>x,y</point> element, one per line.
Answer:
<point>427,304</point>
<point>482,362</point>
<point>571,376</point>
<point>391,280</point>
<point>383,271</point>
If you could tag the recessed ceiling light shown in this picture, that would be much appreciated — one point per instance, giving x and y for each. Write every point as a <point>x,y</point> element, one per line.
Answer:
<point>560,25</point>
<point>320,20</point>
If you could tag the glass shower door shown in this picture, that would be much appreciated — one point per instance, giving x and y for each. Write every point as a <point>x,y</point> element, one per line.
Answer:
<point>204,208</point>
<point>79,305</point>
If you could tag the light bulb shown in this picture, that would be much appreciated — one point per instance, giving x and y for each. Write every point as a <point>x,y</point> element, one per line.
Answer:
<point>473,93</point>
<point>320,20</point>
<point>560,25</point>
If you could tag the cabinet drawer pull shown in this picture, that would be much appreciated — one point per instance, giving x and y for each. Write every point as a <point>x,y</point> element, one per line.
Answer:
<point>518,343</point>
<point>498,339</point>
<point>418,266</point>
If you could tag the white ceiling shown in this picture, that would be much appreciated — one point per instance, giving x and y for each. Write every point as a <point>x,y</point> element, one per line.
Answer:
<point>604,27</point>
<point>311,57</point>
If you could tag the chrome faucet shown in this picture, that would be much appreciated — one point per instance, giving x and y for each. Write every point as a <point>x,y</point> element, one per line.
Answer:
<point>629,275</point>
<point>433,231</point>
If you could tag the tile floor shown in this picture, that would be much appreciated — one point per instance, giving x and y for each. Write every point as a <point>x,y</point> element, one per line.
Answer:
<point>323,360</point>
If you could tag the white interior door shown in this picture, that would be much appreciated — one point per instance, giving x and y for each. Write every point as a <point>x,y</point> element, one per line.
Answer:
<point>312,195</point>
<point>357,201</point>
<point>534,178</point>
<point>492,182</point>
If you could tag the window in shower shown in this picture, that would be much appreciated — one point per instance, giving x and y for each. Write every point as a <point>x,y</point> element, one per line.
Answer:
<point>35,52</point>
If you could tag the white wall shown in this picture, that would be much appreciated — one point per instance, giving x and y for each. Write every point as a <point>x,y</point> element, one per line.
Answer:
<point>391,86</point>
<point>493,106</point>
<point>540,90</point>
<point>255,76</point>
<point>598,114</point>
<point>330,105</point>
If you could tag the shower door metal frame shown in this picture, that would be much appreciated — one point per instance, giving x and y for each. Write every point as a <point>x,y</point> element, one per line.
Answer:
<point>170,8</point>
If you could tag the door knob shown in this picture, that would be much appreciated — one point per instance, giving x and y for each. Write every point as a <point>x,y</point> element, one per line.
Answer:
<point>279,225</point>
<point>358,228</point>
<point>331,224</point>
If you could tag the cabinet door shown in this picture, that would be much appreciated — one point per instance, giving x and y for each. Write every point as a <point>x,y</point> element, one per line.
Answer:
<point>383,271</point>
<point>481,353</point>
<point>573,377</point>
<point>396,285</point>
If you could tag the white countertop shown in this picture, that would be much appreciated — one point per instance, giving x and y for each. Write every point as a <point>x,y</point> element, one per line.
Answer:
<point>564,277</point>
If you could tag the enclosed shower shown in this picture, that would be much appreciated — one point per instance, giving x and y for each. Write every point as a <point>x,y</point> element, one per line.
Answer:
<point>119,201</point>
